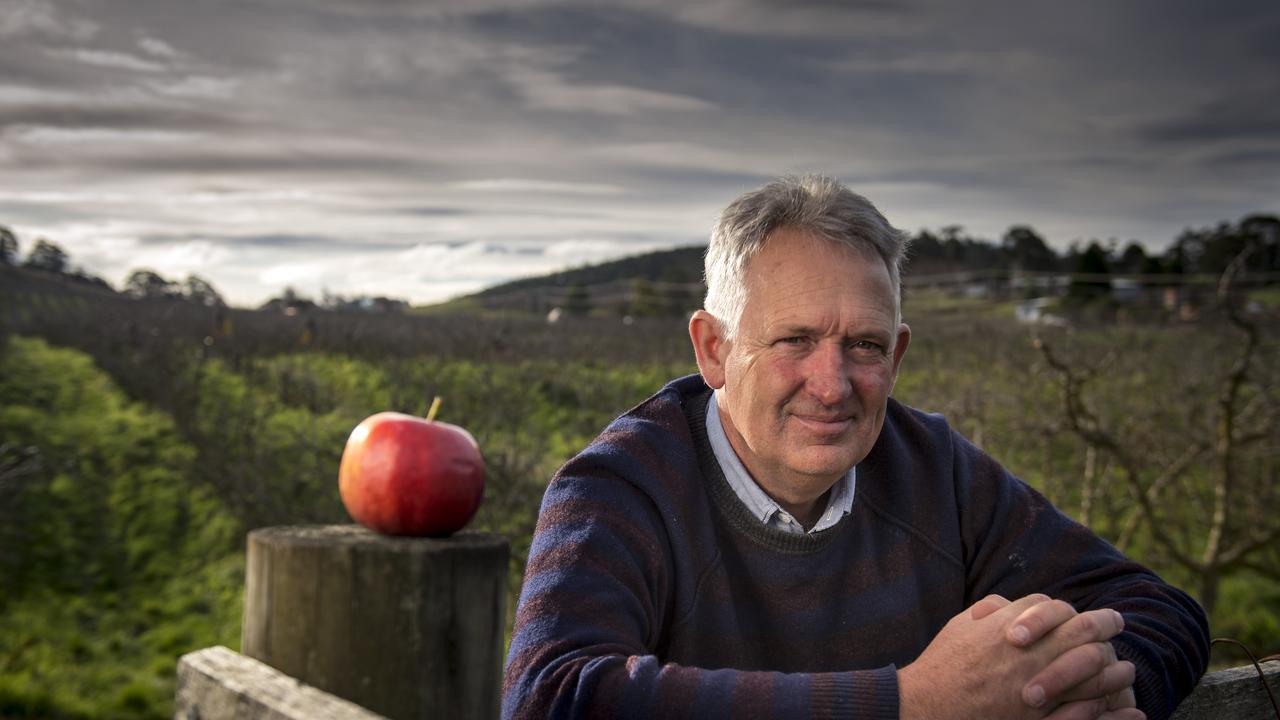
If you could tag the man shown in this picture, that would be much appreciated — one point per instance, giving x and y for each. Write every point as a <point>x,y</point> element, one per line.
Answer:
<point>776,537</point>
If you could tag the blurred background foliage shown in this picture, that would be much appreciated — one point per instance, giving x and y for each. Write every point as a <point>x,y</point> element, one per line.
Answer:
<point>141,437</point>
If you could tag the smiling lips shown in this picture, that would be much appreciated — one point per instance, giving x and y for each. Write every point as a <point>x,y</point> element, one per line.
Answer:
<point>825,424</point>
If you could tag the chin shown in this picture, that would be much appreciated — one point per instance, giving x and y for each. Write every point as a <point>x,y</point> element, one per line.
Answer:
<point>831,467</point>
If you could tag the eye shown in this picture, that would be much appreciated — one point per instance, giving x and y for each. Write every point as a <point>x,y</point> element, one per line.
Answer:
<point>867,346</point>
<point>793,340</point>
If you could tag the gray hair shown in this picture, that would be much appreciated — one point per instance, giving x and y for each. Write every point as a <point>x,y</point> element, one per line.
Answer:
<point>817,204</point>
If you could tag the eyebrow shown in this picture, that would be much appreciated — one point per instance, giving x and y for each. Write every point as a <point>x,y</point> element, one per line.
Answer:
<point>785,330</point>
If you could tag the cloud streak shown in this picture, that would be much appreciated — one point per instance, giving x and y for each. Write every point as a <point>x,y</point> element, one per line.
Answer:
<point>426,149</point>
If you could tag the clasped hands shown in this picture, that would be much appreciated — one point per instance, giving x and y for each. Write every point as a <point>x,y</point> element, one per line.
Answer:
<point>1033,657</point>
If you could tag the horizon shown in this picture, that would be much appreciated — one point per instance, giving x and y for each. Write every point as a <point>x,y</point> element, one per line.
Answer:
<point>427,153</point>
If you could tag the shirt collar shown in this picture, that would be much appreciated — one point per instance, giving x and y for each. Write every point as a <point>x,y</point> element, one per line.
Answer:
<point>763,507</point>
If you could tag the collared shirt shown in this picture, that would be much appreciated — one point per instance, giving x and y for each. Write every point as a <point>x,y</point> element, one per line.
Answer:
<point>839,501</point>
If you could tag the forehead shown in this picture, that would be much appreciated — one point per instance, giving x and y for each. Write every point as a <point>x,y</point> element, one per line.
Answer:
<point>799,273</point>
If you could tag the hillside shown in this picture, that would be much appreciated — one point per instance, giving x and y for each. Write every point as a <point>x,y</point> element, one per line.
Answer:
<point>649,284</point>
<point>681,265</point>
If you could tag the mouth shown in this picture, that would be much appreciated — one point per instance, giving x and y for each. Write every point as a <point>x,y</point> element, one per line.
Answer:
<point>824,424</point>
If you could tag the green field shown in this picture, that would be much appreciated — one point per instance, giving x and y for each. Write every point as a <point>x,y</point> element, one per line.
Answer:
<point>139,440</point>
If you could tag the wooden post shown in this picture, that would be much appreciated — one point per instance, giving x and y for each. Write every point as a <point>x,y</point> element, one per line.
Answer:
<point>407,627</point>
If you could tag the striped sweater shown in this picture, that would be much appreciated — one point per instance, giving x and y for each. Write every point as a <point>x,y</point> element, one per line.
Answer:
<point>651,592</point>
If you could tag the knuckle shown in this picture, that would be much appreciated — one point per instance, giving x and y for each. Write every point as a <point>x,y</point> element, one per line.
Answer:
<point>1108,652</point>
<point>1086,710</point>
<point>1088,624</point>
<point>1099,654</point>
<point>1103,685</point>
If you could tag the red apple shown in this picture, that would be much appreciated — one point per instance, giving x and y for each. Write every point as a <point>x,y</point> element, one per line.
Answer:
<point>406,475</point>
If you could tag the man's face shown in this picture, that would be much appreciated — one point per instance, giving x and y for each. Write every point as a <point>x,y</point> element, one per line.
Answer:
<point>805,381</point>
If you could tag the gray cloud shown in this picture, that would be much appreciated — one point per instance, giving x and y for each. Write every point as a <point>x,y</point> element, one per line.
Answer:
<point>435,211</point>
<point>38,18</point>
<point>325,243</point>
<point>267,162</point>
<point>117,117</point>
<point>1255,116</point>
<point>340,141</point>
<point>1254,159</point>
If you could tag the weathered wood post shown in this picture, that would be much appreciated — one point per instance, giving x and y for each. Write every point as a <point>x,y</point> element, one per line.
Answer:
<point>407,627</point>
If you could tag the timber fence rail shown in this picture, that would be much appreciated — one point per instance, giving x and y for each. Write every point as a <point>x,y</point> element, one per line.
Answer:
<point>220,684</point>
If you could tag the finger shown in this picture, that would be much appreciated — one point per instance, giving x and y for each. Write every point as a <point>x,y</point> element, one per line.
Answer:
<point>1037,621</point>
<point>1123,714</point>
<point>987,605</point>
<point>996,609</point>
<point>1068,670</point>
<point>1109,684</point>
<point>1087,627</point>
<point>1008,613</point>
<point>1079,710</point>
<point>1122,699</point>
<point>1093,710</point>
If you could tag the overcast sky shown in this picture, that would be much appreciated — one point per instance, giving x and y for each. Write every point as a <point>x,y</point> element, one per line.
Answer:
<point>426,149</point>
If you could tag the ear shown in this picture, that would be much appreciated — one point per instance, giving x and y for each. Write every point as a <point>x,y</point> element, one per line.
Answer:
<point>709,347</point>
<point>900,348</point>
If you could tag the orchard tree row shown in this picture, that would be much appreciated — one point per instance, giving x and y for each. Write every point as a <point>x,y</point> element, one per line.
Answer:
<point>1204,251</point>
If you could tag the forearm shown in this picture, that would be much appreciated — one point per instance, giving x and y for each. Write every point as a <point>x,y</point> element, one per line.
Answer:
<point>644,687</point>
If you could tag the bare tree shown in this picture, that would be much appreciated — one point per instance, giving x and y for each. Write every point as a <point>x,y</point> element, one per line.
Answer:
<point>1242,415</point>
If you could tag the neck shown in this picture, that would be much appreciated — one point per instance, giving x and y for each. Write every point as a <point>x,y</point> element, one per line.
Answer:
<point>805,513</point>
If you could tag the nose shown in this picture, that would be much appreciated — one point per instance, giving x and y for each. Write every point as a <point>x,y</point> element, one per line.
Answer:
<point>827,376</point>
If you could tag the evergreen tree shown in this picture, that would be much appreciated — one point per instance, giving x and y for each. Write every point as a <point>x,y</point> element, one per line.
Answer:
<point>48,257</point>
<point>8,247</point>
<point>198,290</point>
<point>1028,250</point>
<point>1134,259</point>
<point>148,284</point>
<point>1093,265</point>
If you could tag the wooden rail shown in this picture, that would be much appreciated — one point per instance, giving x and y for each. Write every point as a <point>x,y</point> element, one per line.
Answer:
<point>219,684</point>
<point>1237,692</point>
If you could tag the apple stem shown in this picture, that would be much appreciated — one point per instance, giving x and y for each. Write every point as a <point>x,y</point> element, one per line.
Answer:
<point>435,408</point>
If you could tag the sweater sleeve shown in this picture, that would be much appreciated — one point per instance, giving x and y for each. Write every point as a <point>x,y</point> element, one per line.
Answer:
<point>1017,543</point>
<point>595,602</point>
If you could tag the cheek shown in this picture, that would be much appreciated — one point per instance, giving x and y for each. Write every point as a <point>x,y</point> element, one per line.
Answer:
<point>775,382</point>
<point>873,383</point>
<point>760,391</point>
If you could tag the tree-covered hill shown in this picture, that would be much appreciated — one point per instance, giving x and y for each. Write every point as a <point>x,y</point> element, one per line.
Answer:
<point>681,265</point>
<point>670,281</point>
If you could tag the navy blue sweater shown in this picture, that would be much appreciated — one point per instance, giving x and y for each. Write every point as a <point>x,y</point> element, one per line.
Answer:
<point>652,592</point>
